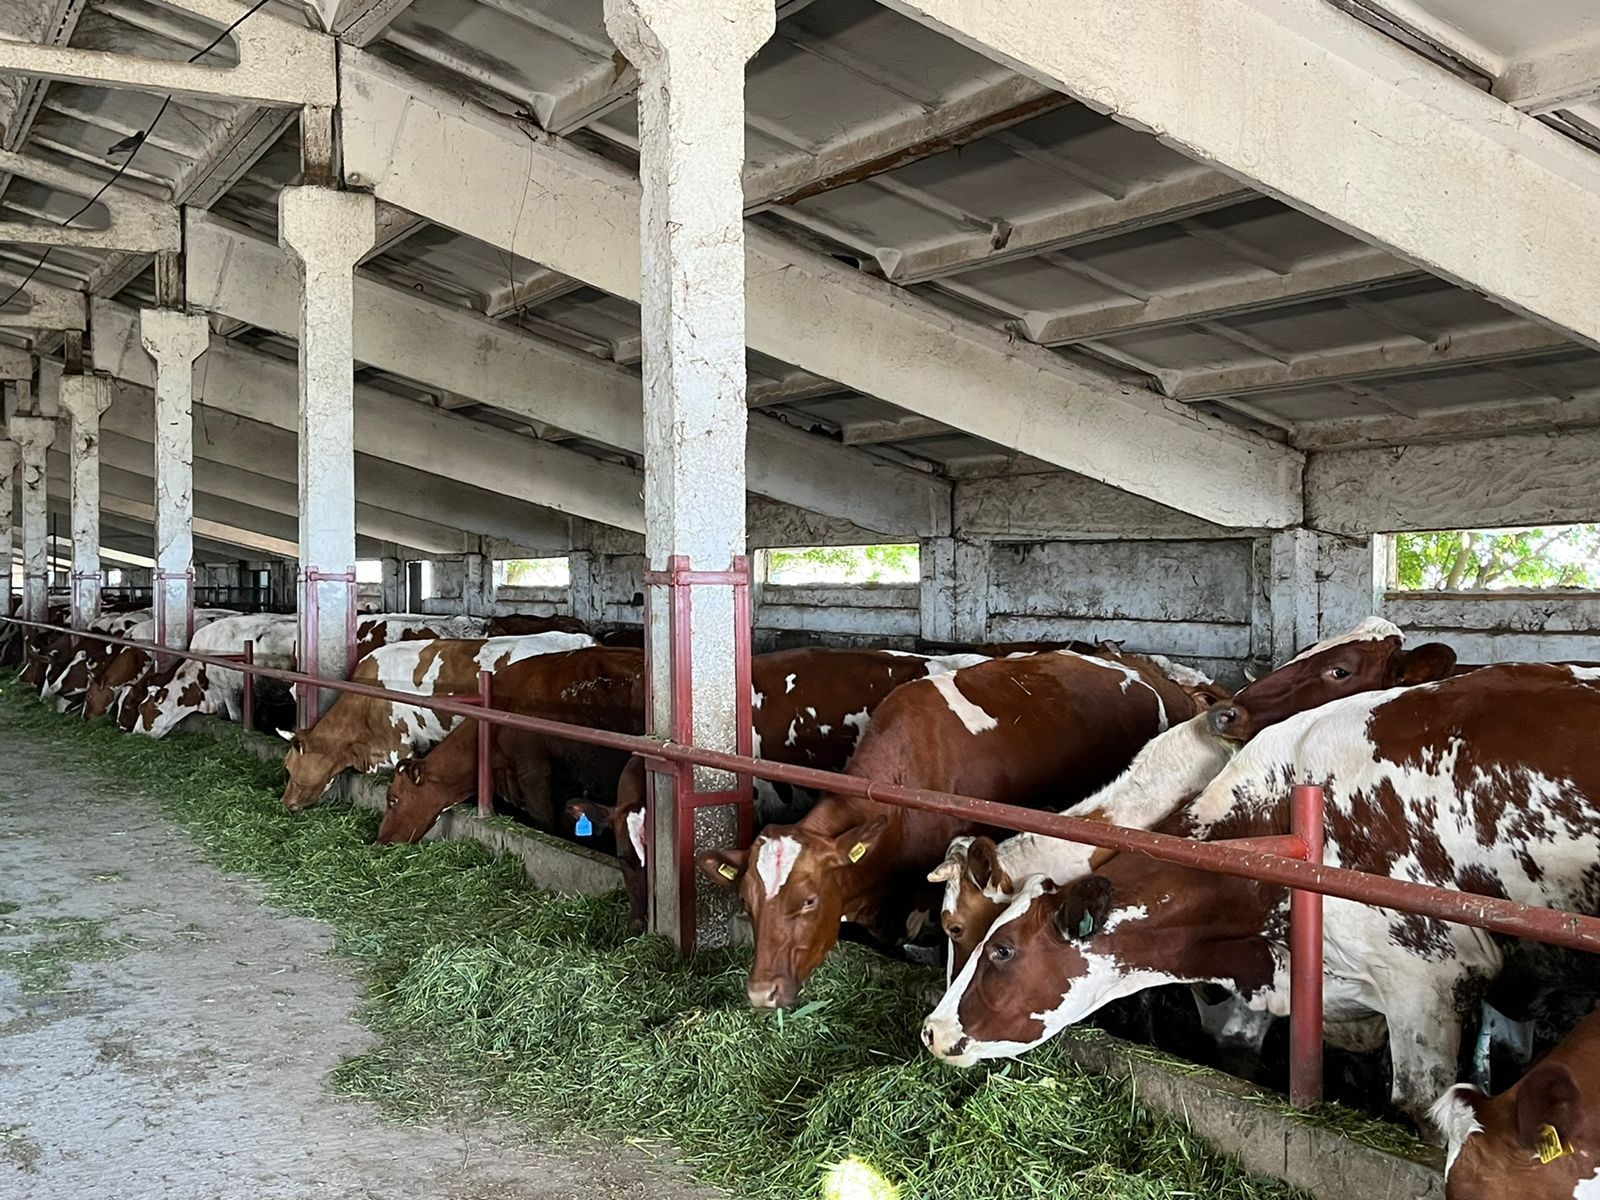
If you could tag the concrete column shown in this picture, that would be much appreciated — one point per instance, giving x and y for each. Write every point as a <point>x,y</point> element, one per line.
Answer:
<point>394,584</point>
<point>9,458</point>
<point>84,398</point>
<point>936,560</point>
<point>174,340</point>
<point>477,584</point>
<point>1294,592</point>
<point>327,231</point>
<point>970,603</point>
<point>33,436</point>
<point>691,61</point>
<point>585,590</point>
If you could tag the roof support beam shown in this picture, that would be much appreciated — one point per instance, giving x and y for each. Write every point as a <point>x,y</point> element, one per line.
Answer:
<point>49,307</point>
<point>899,429</point>
<point>243,276</point>
<point>136,222</point>
<point>279,64</point>
<point>393,502</point>
<point>1409,357</point>
<point>410,144</point>
<point>1394,150</point>
<point>362,22</point>
<point>264,388</point>
<point>994,105</point>
<point>1365,268</point>
<point>1565,75</point>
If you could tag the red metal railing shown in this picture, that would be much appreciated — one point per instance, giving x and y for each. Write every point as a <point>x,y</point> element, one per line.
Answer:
<point>1291,861</point>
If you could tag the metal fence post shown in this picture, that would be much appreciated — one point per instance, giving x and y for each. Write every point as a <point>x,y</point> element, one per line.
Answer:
<point>485,752</point>
<point>1305,956</point>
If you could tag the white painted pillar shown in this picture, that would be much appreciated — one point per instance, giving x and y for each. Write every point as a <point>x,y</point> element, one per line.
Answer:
<point>174,340</point>
<point>33,436</point>
<point>9,458</point>
<point>1295,598</point>
<point>691,61</point>
<point>84,398</point>
<point>327,231</point>
<point>936,562</point>
<point>477,584</point>
<point>970,615</point>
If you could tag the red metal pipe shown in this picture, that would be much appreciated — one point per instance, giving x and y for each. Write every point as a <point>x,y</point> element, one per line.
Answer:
<point>1305,955</point>
<point>1558,928</point>
<point>485,751</point>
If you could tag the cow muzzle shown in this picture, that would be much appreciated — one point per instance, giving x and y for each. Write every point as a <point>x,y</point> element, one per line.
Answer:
<point>772,993</point>
<point>944,1039</point>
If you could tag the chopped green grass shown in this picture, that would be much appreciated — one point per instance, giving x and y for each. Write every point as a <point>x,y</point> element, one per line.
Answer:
<point>493,996</point>
<point>49,948</point>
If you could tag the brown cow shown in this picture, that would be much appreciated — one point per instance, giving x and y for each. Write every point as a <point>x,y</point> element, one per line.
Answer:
<point>1367,659</point>
<point>598,687</point>
<point>526,624</point>
<point>1023,731</point>
<point>1539,1140</point>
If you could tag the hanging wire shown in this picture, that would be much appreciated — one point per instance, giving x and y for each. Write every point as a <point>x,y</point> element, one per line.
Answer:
<point>131,146</point>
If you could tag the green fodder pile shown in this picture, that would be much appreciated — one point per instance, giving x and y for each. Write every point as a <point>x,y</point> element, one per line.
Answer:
<point>496,997</point>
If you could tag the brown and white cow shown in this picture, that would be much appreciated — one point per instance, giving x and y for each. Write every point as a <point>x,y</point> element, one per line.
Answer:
<point>69,685</point>
<point>980,877</point>
<point>597,687</point>
<point>1539,1139</point>
<point>361,733</point>
<point>192,688</point>
<point>528,624</point>
<point>809,708</point>
<point>1484,782</point>
<point>1023,731</point>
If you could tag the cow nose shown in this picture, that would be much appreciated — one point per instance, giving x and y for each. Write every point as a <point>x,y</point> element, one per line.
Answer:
<point>770,993</point>
<point>943,1041</point>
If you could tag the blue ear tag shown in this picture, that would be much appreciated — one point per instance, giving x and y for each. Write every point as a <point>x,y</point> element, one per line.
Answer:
<point>585,827</point>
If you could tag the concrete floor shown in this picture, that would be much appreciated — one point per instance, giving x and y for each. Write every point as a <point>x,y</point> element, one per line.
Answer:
<point>187,1058</point>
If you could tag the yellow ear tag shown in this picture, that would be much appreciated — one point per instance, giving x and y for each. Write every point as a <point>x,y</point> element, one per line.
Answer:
<point>728,871</point>
<point>1550,1145</point>
<point>858,852</point>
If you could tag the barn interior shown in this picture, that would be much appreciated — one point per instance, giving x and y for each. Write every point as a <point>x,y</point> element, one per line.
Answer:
<point>1127,344</point>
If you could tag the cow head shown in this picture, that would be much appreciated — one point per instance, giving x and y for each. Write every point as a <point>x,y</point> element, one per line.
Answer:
<point>1369,658</point>
<point>626,821</point>
<point>314,760</point>
<point>1526,1144</point>
<point>106,685</point>
<point>976,891</point>
<point>415,802</point>
<point>795,884</point>
<point>1058,954</point>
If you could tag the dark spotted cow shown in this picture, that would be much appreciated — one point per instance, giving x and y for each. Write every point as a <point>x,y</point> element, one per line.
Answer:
<point>1539,1139</point>
<point>1025,731</point>
<point>1485,782</point>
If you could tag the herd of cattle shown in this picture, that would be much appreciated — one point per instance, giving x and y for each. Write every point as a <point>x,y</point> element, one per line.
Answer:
<point>1478,779</point>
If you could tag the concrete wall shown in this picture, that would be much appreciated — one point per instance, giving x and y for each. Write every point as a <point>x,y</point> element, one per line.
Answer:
<point>1193,599</point>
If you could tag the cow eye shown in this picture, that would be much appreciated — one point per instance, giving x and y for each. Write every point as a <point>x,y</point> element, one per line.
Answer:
<point>810,903</point>
<point>1338,673</point>
<point>1001,953</point>
<point>956,931</point>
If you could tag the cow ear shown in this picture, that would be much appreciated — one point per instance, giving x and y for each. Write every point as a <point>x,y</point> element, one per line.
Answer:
<point>287,735</point>
<point>723,866</point>
<point>855,844</point>
<point>411,768</point>
<point>1082,909</point>
<point>1549,1110</point>
<point>1210,695</point>
<point>1426,663</point>
<point>955,862</point>
<point>983,866</point>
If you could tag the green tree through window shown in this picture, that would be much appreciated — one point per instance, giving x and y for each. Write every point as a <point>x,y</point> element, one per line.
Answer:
<point>1451,560</point>
<point>897,563</point>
